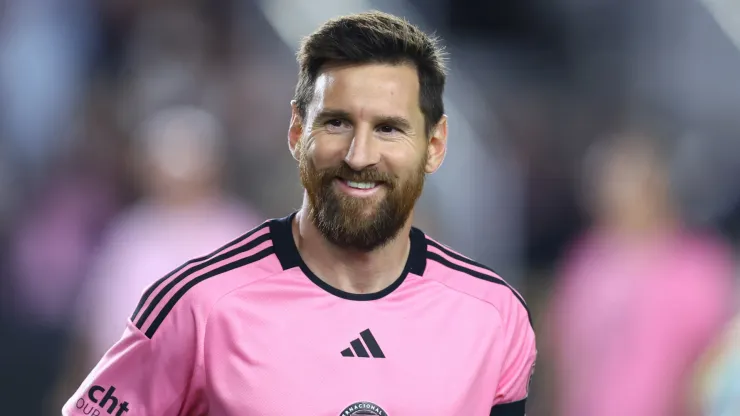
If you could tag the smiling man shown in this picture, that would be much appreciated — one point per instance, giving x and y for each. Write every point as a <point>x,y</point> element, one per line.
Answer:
<point>342,308</point>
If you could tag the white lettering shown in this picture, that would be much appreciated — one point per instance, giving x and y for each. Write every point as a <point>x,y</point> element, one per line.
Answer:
<point>370,407</point>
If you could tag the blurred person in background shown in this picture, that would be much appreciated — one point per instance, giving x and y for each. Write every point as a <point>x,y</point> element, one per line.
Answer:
<point>640,296</point>
<point>185,212</point>
<point>51,243</point>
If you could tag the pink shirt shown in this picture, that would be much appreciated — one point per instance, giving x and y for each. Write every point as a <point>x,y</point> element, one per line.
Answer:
<point>631,318</point>
<point>142,245</point>
<point>250,330</point>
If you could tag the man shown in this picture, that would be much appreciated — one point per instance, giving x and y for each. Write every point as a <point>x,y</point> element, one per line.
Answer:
<point>640,295</point>
<point>342,308</point>
<point>180,150</point>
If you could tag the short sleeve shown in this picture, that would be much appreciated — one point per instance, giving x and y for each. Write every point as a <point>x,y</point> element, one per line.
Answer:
<point>142,376</point>
<point>516,373</point>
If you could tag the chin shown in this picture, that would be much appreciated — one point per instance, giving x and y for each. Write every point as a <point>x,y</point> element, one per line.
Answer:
<point>370,211</point>
<point>365,215</point>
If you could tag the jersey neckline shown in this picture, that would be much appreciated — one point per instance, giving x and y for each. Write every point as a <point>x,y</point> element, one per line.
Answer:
<point>281,232</point>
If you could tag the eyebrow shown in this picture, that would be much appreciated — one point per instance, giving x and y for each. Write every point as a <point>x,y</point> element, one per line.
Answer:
<point>395,121</point>
<point>329,114</point>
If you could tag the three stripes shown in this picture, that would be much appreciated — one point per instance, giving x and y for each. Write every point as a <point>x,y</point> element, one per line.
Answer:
<point>358,349</point>
<point>454,266</point>
<point>221,257</point>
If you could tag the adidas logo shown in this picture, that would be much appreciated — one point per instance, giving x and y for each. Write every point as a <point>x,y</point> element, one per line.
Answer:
<point>357,349</point>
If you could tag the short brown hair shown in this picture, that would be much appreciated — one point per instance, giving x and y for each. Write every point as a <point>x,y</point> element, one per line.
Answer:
<point>374,37</point>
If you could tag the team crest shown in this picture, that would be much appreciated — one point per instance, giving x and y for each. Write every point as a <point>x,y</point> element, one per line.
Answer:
<point>363,409</point>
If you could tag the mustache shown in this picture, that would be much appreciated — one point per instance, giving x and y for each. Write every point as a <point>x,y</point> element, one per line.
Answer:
<point>366,175</point>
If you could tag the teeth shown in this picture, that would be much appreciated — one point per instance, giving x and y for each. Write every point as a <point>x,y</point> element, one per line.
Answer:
<point>360,185</point>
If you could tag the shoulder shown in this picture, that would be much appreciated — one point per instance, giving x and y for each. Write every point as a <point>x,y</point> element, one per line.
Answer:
<point>707,248</point>
<point>463,274</point>
<point>192,289</point>
<point>130,223</point>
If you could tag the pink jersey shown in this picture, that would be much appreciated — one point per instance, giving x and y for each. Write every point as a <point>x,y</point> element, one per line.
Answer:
<point>250,331</point>
<point>630,319</point>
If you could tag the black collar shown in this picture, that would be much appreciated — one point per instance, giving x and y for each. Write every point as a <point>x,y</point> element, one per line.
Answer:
<point>281,231</point>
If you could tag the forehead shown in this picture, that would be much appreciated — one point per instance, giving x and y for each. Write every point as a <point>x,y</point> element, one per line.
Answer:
<point>369,89</point>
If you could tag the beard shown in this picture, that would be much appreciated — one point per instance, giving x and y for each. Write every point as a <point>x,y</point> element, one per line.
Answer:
<point>357,223</point>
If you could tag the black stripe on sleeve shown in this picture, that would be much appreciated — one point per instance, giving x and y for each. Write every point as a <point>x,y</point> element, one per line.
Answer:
<point>458,257</point>
<point>156,284</point>
<point>510,409</point>
<point>174,282</point>
<point>493,279</point>
<point>213,273</point>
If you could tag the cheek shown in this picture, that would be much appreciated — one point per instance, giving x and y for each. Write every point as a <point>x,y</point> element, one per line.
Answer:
<point>406,165</point>
<point>324,152</point>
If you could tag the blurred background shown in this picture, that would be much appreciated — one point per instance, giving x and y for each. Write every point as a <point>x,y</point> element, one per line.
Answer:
<point>594,162</point>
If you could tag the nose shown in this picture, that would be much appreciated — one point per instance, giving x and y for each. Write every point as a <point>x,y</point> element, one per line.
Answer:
<point>363,151</point>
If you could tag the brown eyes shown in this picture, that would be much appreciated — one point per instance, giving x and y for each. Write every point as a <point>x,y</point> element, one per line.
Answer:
<point>337,125</point>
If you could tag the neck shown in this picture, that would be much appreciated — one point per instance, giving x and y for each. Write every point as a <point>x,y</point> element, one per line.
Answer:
<point>350,270</point>
<point>644,225</point>
<point>196,195</point>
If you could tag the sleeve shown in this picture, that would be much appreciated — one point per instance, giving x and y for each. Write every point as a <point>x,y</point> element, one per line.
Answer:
<point>518,364</point>
<point>145,374</point>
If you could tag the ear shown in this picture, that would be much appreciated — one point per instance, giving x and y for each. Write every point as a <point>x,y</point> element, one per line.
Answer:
<point>436,146</point>
<point>295,131</point>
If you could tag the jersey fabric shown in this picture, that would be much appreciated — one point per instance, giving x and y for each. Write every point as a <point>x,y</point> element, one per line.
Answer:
<point>630,319</point>
<point>249,330</point>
